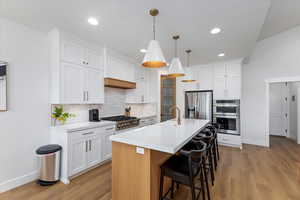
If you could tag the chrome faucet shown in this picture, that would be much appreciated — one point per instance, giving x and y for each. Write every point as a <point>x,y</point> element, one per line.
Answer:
<point>179,113</point>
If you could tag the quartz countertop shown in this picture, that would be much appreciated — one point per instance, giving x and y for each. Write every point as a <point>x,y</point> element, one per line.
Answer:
<point>82,126</point>
<point>165,137</point>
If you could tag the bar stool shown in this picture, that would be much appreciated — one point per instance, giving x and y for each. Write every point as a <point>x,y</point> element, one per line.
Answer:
<point>215,128</point>
<point>184,168</point>
<point>208,137</point>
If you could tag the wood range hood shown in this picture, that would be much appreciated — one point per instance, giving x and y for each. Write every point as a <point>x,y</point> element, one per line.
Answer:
<point>116,83</point>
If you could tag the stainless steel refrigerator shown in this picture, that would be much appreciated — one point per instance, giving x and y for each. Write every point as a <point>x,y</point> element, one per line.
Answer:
<point>199,104</point>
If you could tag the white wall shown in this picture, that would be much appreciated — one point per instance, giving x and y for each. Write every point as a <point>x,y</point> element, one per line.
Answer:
<point>294,110</point>
<point>274,57</point>
<point>25,126</point>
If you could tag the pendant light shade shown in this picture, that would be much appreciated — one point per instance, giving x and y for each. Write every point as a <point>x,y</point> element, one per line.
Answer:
<point>189,76</point>
<point>176,69</point>
<point>154,57</point>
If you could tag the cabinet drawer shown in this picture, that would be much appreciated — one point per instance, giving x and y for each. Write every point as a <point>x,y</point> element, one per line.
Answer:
<point>234,140</point>
<point>84,133</point>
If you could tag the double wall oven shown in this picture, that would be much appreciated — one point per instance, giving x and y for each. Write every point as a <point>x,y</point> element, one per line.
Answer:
<point>227,115</point>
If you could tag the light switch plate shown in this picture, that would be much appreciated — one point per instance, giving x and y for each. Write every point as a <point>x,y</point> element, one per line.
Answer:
<point>140,150</point>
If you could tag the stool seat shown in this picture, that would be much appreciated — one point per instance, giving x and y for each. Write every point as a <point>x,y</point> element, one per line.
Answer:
<point>179,166</point>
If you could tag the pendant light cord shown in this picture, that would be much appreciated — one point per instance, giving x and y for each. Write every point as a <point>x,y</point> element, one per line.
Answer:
<point>188,60</point>
<point>175,48</point>
<point>154,31</point>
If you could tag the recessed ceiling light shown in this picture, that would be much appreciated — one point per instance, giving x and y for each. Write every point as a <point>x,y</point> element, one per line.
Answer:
<point>215,30</point>
<point>143,50</point>
<point>93,21</point>
<point>221,55</point>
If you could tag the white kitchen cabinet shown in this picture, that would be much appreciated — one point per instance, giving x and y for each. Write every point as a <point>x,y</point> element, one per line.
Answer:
<point>72,83</point>
<point>78,148</point>
<point>146,87</point>
<point>83,146</point>
<point>204,78</point>
<point>94,89</point>
<point>230,140</point>
<point>119,68</point>
<point>107,144</point>
<point>85,150</point>
<point>227,80</point>
<point>80,54</point>
<point>72,52</point>
<point>77,72</point>
<point>81,85</point>
<point>94,154</point>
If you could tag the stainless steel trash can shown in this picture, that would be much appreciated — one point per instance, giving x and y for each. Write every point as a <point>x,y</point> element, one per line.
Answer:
<point>49,160</point>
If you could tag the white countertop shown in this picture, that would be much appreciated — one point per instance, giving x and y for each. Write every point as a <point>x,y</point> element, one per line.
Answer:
<point>83,126</point>
<point>166,137</point>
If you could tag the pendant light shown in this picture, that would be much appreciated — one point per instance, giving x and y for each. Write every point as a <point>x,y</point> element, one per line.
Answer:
<point>176,69</point>
<point>154,57</point>
<point>188,76</point>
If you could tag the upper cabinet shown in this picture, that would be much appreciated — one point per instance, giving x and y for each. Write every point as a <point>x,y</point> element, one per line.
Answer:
<point>204,76</point>
<point>146,86</point>
<point>77,70</point>
<point>227,80</point>
<point>119,68</point>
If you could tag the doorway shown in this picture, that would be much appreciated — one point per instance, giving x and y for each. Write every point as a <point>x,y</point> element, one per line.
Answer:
<point>168,97</point>
<point>283,110</point>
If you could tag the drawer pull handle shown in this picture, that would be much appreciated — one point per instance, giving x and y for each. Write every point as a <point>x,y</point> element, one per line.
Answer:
<point>109,129</point>
<point>88,133</point>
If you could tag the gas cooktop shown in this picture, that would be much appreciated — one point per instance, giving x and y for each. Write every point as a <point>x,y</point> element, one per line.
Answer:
<point>123,122</point>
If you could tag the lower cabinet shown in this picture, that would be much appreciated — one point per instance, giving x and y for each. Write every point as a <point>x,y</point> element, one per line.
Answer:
<point>85,150</point>
<point>107,144</point>
<point>82,149</point>
<point>230,140</point>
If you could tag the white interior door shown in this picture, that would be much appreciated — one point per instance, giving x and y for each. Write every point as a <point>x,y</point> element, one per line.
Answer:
<point>278,109</point>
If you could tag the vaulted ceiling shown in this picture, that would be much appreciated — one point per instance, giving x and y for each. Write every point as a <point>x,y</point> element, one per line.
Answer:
<point>126,26</point>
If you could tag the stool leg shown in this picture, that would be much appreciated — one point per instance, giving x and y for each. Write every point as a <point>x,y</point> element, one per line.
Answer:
<point>206,182</point>
<point>161,187</point>
<point>217,144</point>
<point>211,167</point>
<point>202,183</point>
<point>172,190</point>
<point>215,155</point>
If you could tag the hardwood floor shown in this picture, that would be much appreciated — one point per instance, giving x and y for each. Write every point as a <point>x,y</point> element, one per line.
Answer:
<point>255,173</point>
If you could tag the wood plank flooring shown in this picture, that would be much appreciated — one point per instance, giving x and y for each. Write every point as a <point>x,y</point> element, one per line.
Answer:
<point>255,173</point>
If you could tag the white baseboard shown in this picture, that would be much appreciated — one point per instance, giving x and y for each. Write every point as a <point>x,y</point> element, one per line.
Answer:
<point>255,142</point>
<point>16,182</point>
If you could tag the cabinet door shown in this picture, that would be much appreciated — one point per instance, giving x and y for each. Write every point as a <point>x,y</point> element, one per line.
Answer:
<point>94,155</point>
<point>77,154</point>
<point>205,78</point>
<point>107,145</point>
<point>233,87</point>
<point>71,52</point>
<point>94,86</point>
<point>233,78</point>
<point>220,88</point>
<point>72,83</point>
<point>220,81</point>
<point>94,59</point>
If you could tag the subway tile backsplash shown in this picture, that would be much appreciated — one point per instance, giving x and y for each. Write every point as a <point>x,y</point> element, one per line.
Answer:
<point>114,105</point>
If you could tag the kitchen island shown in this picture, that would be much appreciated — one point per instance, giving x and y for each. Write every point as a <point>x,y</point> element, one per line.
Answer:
<point>137,156</point>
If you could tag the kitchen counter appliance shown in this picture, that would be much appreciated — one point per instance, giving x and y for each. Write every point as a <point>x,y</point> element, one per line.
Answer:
<point>123,122</point>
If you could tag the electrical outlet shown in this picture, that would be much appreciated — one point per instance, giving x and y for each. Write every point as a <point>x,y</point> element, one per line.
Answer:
<point>140,150</point>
